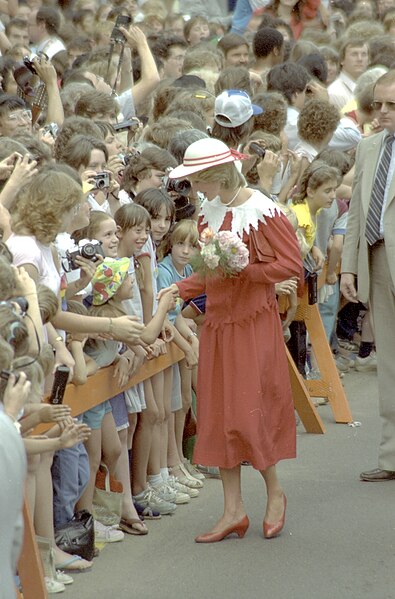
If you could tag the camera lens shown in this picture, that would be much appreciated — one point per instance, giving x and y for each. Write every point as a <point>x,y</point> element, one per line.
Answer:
<point>88,251</point>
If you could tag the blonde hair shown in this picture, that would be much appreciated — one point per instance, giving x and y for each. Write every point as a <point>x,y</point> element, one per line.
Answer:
<point>47,302</point>
<point>226,174</point>
<point>96,218</point>
<point>7,279</point>
<point>41,204</point>
<point>34,373</point>
<point>179,233</point>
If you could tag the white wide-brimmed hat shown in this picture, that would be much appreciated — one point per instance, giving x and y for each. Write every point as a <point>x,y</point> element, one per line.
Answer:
<point>203,154</point>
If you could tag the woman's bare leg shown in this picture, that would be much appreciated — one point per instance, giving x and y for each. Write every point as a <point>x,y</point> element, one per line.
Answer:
<point>275,495</point>
<point>233,502</point>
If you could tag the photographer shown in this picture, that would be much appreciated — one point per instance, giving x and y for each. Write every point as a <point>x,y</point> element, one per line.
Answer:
<point>89,157</point>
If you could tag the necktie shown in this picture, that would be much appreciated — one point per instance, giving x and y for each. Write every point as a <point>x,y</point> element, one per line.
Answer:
<point>372,230</point>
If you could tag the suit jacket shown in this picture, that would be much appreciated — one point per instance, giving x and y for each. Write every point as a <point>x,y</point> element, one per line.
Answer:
<point>356,249</point>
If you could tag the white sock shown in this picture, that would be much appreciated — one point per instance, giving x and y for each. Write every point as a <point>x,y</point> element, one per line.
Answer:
<point>155,480</point>
<point>164,472</point>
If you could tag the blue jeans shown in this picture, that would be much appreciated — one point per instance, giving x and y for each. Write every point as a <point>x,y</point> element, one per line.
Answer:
<point>328,311</point>
<point>70,475</point>
<point>241,17</point>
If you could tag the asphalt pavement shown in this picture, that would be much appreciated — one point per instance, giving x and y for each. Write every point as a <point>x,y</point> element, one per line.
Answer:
<point>338,541</point>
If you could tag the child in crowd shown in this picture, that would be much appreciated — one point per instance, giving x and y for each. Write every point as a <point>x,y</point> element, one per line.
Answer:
<point>161,209</point>
<point>317,190</point>
<point>179,248</point>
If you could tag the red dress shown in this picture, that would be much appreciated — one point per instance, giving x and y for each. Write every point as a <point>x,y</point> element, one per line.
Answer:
<point>245,407</point>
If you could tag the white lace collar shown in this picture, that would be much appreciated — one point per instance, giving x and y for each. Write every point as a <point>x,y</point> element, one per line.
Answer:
<point>254,210</point>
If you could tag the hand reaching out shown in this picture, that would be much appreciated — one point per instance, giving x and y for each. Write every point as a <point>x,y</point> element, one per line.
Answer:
<point>73,434</point>
<point>16,394</point>
<point>54,413</point>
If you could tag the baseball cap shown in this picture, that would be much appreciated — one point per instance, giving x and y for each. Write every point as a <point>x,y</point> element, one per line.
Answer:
<point>234,108</point>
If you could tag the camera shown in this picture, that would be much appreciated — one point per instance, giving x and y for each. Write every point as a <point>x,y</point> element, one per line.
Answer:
<point>116,35</point>
<point>182,187</point>
<point>257,149</point>
<point>102,180</point>
<point>27,61</point>
<point>129,124</point>
<point>124,158</point>
<point>5,375</point>
<point>20,301</point>
<point>86,249</point>
<point>51,128</point>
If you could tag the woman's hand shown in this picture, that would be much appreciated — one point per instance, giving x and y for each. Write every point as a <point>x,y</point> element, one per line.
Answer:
<point>318,257</point>
<point>54,413</point>
<point>74,433</point>
<point>121,371</point>
<point>63,356</point>
<point>127,329</point>
<point>24,284</point>
<point>267,168</point>
<point>7,165</point>
<point>87,269</point>
<point>286,287</point>
<point>173,289</point>
<point>331,278</point>
<point>191,357</point>
<point>167,332</point>
<point>23,171</point>
<point>168,299</point>
<point>16,395</point>
<point>116,166</point>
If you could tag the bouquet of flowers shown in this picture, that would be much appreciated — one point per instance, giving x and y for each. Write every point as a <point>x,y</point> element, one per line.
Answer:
<point>223,254</point>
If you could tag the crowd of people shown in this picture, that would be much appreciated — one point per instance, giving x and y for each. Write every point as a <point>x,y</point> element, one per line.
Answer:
<point>129,132</point>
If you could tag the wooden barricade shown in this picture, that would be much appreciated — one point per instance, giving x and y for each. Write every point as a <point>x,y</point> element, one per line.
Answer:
<point>98,388</point>
<point>329,385</point>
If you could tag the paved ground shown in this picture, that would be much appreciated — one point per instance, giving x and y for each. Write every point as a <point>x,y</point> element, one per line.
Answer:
<point>338,542</point>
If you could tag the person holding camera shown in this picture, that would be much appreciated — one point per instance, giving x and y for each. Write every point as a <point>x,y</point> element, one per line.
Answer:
<point>89,157</point>
<point>43,208</point>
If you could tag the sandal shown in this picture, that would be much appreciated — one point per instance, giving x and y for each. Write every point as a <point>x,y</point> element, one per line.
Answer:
<point>129,526</point>
<point>68,564</point>
<point>146,513</point>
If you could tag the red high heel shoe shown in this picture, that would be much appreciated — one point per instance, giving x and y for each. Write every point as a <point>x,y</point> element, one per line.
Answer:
<point>213,537</point>
<point>273,530</point>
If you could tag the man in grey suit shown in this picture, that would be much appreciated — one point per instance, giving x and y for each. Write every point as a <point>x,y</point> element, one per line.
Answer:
<point>368,263</point>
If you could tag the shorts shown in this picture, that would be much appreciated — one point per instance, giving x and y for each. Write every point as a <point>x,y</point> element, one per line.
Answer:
<point>119,411</point>
<point>198,303</point>
<point>176,398</point>
<point>135,399</point>
<point>94,417</point>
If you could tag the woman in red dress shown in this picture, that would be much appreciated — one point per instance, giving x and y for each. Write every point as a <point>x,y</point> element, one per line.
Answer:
<point>245,407</point>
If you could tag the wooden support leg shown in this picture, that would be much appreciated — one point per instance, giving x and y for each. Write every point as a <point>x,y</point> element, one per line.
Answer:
<point>303,405</point>
<point>329,385</point>
<point>30,568</point>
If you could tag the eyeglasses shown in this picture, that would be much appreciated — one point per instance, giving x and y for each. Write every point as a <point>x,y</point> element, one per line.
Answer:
<point>21,115</point>
<point>379,105</point>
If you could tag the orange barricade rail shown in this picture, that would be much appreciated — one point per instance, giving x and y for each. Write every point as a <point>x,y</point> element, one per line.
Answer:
<point>98,388</point>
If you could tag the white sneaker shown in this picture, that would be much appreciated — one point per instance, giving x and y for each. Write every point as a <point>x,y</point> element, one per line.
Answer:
<point>63,577</point>
<point>170,493</point>
<point>150,498</point>
<point>175,484</point>
<point>107,534</point>
<point>368,364</point>
<point>53,586</point>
